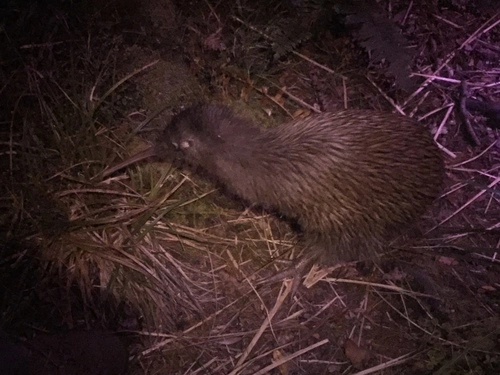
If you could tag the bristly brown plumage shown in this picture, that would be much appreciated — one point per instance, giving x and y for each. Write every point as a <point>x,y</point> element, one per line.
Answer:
<point>350,179</point>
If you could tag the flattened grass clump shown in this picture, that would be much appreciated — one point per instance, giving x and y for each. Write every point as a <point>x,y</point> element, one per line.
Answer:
<point>91,240</point>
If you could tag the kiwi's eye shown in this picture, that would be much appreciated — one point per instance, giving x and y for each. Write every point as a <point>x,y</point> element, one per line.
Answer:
<point>185,145</point>
<point>176,146</point>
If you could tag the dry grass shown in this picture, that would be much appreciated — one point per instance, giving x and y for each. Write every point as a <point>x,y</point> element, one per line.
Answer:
<point>167,259</point>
